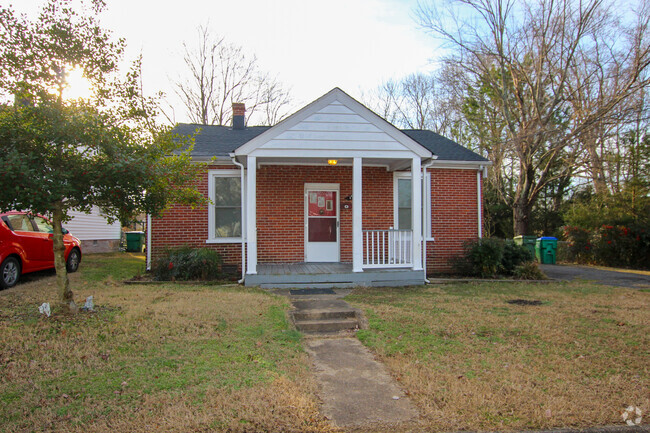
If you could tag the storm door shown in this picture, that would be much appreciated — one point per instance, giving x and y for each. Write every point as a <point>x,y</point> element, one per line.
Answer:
<point>321,223</point>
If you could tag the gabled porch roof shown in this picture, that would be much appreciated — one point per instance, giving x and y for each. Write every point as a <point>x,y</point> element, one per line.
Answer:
<point>334,126</point>
<point>222,141</point>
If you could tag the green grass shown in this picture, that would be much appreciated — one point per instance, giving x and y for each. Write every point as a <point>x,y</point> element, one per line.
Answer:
<point>190,355</point>
<point>472,361</point>
<point>118,266</point>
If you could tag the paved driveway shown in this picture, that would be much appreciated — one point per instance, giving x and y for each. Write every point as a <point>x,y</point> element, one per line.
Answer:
<point>612,278</point>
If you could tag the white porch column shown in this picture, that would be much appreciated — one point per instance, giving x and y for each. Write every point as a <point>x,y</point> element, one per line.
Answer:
<point>416,213</point>
<point>357,225</point>
<point>251,214</point>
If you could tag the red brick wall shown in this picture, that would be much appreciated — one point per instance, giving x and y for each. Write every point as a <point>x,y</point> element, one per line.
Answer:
<point>454,215</point>
<point>280,213</point>
<point>182,225</point>
<point>281,201</point>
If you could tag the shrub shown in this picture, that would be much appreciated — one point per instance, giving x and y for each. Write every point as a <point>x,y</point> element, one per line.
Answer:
<point>610,245</point>
<point>514,255</point>
<point>481,258</point>
<point>187,263</point>
<point>528,271</point>
<point>579,248</point>
<point>488,257</point>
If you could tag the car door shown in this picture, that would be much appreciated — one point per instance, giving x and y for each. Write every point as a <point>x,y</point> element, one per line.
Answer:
<point>46,232</point>
<point>29,240</point>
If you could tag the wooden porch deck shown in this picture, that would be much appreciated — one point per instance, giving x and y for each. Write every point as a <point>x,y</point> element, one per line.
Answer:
<point>303,268</point>
<point>329,275</point>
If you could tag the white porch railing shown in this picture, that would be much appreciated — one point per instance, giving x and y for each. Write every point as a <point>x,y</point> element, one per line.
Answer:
<point>387,248</point>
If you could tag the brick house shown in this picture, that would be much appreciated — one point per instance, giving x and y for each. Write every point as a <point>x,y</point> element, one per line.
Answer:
<point>334,195</point>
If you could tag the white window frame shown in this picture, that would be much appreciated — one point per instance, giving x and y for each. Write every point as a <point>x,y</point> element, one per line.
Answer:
<point>212,239</point>
<point>426,201</point>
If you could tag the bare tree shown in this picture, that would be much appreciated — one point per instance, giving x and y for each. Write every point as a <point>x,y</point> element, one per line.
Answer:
<point>524,54</point>
<point>220,73</point>
<point>422,101</point>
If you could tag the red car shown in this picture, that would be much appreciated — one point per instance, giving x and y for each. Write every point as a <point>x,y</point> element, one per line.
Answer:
<point>26,246</point>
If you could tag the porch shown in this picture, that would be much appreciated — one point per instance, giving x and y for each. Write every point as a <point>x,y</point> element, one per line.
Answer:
<point>329,275</point>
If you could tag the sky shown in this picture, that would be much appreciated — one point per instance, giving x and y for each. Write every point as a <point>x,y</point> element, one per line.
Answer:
<point>310,46</point>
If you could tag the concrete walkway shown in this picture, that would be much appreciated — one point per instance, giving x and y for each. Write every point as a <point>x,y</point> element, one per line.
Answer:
<point>355,389</point>
<point>611,278</point>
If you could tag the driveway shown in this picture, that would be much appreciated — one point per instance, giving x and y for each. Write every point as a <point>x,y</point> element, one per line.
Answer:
<point>611,278</point>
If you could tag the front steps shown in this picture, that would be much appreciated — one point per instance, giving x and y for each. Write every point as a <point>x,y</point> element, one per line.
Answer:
<point>325,317</point>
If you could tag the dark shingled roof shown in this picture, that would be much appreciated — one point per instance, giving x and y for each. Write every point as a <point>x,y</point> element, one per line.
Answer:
<point>222,140</point>
<point>216,140</point>
<point>444,148</point>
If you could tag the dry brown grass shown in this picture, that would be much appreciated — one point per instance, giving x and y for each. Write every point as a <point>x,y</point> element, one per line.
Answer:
<point>152,358</point>
<point>471,361</point>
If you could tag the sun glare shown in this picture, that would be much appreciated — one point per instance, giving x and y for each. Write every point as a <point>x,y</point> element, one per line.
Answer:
<point>78,85</point>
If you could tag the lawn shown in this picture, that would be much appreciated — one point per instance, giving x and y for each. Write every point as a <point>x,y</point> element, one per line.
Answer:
<point>223,358</point>
<point>165,357</point>
<point>472,361</point>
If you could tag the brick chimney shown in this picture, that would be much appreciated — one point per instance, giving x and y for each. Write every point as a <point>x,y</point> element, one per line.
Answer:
<point>238,115</point>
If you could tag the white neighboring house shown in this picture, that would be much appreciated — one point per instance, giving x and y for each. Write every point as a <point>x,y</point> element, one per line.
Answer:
<point>94,231</point>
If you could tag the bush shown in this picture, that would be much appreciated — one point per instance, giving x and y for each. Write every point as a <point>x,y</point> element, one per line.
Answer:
<point>481,258</point>
<point>513,256</point>
<point>627,246</point>
<point>528,271</point>
<point>579,248</point>
<point>488,257</point>
<point>187,263</point>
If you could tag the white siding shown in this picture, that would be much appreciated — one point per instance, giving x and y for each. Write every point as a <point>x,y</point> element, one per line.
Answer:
<point>334,127</point>
<point>93,226</point>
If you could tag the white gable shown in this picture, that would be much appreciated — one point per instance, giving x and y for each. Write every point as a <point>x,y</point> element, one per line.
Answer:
<point>337,126</point>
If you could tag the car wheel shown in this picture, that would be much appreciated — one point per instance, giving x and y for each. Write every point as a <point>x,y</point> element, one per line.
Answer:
<point>74,258</point>
<point>9,272</point>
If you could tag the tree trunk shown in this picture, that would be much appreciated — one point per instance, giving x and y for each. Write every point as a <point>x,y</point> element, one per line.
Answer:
<point>521,216</point>
<point>66,297</point>
<point>597,171</point>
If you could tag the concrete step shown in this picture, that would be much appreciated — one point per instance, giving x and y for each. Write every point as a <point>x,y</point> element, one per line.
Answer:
<point>304,315</point>
<point>326,326</point>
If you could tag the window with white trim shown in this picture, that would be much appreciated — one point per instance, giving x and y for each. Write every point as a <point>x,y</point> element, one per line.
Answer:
<point>402,188</point>
<point>224,212</point>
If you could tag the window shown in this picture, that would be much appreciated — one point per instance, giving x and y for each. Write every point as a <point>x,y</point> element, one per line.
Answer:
<point>224,214</point>
<point>404,204</point>
<point>403,211</point>
<point>43,225</point>
<point>20,223</point>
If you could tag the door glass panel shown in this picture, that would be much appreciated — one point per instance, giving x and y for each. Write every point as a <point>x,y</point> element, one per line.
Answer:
<point>322,203</point>
<point>322,230</point>
<point>43,225</point>
<point>20,223</point>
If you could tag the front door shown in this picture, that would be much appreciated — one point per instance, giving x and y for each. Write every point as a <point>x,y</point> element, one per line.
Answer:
<point>322,223</point>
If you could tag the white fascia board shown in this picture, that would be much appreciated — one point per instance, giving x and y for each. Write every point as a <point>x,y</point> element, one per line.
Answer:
<point>461,165</point>
<point>216,159</point>
<point>333,154</point>
<point>339,95</point>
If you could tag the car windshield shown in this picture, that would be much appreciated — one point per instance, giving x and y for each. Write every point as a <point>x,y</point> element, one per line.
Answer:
<point>43,225</point>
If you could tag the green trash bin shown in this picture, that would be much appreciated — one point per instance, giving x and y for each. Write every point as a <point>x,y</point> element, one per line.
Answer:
<point>134,241</point>
<point>546,250</point>
<point>528,242</point>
